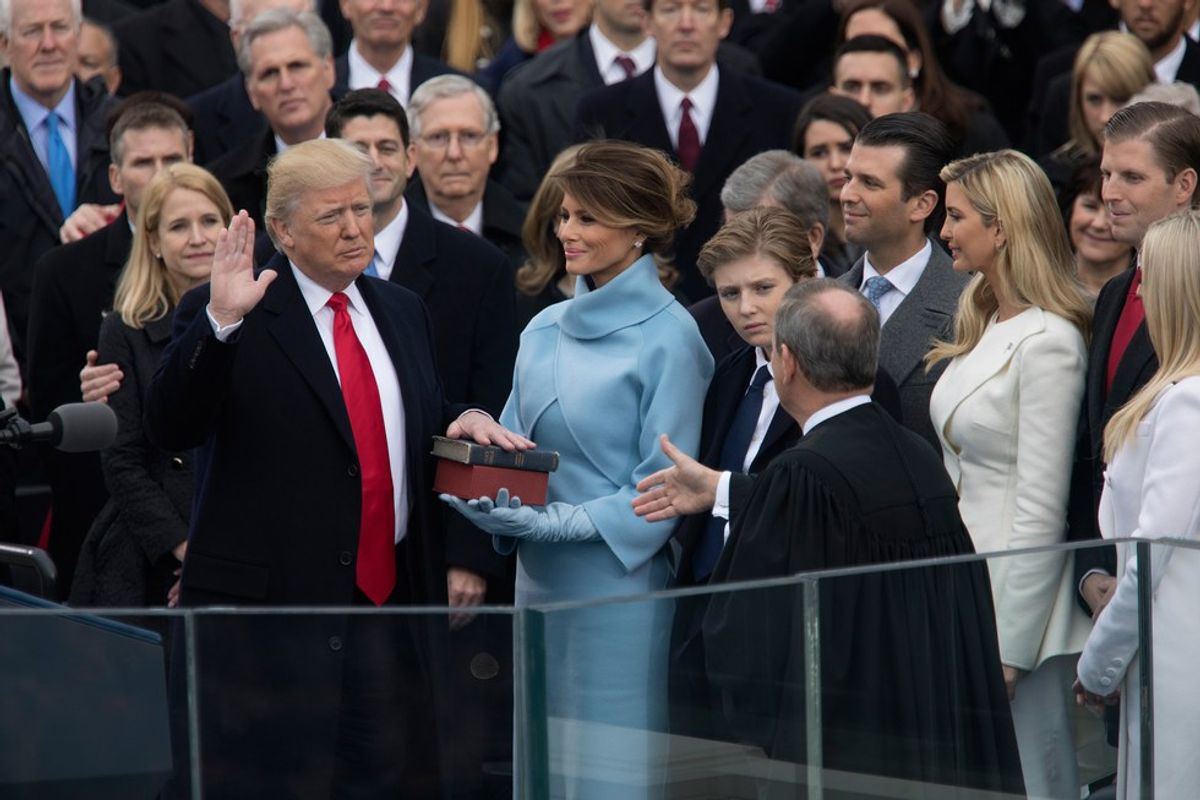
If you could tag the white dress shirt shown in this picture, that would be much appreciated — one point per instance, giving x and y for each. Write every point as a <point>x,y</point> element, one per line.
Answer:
<point>281,145</point>
<point>364,76</point>
<point>721,504</point>
<point>606,56</point>
<point>387,243</point>
<point>703,97</point>
<point>473,222</point>
<point>903,277</point>
<point>1168,66</point>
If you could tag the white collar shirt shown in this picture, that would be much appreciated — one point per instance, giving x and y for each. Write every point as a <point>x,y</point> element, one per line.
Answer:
<point>473,223</point>
<point>703,97</point>
<point>833,409</point>
<point>387,243</point>
<point>903,277</point>
<point>364,76</point>
<point>606,56</point>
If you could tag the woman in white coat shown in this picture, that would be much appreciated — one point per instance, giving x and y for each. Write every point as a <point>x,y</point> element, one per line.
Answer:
<point>1005,410</point>
<point>1152,491</point>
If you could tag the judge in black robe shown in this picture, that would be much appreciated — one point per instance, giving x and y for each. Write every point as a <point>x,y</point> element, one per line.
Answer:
<point>911,685</point>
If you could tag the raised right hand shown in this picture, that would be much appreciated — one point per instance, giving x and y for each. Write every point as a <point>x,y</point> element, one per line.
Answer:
<point>234,289</point>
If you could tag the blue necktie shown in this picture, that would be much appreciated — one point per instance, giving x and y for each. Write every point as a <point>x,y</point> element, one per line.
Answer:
<point>733,459</point>
<point>876,287</point>
<point>370,270</point>
<point>58,164</point>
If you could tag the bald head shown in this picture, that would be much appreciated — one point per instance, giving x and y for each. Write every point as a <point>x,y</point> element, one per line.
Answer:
<point>832,332</point>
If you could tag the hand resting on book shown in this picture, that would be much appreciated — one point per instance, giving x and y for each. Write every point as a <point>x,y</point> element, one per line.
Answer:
<point>556,522</point>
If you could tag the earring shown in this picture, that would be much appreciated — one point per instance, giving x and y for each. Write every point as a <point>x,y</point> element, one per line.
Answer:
<point>637,243</point>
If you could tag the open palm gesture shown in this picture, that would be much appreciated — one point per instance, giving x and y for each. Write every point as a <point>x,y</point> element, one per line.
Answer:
<point>235,289</point>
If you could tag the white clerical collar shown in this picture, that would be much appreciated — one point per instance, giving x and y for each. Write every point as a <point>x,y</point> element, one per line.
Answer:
<point>281,145</point>
<point>606,56</point>
<point>387,243</point>
<point>833,409</point>
<point>364,76</point>
<point>903,276</point>
<point>703,97</point>
<point>473,222</point>
<point>317,297</point>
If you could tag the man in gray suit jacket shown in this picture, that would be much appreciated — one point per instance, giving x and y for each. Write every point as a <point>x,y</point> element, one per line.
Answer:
<point>891,203</point>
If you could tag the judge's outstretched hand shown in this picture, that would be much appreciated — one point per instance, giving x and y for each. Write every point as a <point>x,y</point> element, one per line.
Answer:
<point>234,288</point>
<point>689,487</point>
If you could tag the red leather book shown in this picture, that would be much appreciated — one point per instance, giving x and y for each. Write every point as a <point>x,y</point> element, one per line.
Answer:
<point>472,481</point>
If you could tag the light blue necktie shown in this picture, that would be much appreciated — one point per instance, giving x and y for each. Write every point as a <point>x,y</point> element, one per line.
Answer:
<point>370,270</point>
<point>876,287</point>
<point>58,164</point>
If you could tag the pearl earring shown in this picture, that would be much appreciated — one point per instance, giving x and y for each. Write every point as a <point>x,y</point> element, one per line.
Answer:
<point>637,242</point>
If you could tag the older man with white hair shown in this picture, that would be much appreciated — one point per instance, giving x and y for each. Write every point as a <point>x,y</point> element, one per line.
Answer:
<point>312,392</point>
<point>455,134</point>
<point>53,147</point>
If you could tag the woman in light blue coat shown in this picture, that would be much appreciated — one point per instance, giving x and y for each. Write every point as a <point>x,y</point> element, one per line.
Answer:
<point>598,378</point>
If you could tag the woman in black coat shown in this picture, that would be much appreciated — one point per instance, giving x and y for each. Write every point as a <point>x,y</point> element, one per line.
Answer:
<point>139,539</point>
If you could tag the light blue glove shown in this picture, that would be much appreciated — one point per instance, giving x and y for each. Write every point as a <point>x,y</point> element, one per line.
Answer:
<point>557,522</point>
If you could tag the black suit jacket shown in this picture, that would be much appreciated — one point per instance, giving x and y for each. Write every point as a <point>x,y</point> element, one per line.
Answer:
<point>276,519</point>
<point>223,119</point>
<point>1138,364</point>
<point>537,104</point>
<point>29,212</point>
<point>467,286</point>
<point>177,47</point>
<point>73,286</point>
<point>750,116</point>
<point>503,216</point>
<point>243,173</point>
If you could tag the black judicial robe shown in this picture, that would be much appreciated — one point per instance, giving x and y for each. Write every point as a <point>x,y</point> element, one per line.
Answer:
<point>911,683</point>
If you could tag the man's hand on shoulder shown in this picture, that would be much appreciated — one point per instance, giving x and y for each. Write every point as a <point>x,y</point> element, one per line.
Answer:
<point>98,381</point>
<point>86,220</point>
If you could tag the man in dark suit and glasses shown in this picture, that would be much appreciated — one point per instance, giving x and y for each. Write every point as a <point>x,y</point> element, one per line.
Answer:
<point>312,394</point>
<point>856,489</point>
<point>709,118</point>
<point>891,203</point>
<point>1150,166</point>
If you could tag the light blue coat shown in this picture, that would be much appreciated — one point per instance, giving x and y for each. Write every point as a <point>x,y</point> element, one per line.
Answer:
<point>598,378</point>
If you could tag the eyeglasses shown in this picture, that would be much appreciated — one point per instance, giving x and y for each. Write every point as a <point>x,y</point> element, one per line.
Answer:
<point>468,140</point>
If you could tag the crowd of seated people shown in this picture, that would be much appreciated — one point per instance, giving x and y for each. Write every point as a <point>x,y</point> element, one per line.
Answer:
<point>591,211</point>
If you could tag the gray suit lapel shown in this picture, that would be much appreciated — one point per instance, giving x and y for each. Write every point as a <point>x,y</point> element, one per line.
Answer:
<point>927,313</point>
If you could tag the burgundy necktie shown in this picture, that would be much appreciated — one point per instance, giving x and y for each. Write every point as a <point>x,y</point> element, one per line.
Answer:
<point>375,572</point>
<point>384,84</point>
<point>626,63</point>
<point>689,138</point>
<point>771,6</point>
<point>465,229</point>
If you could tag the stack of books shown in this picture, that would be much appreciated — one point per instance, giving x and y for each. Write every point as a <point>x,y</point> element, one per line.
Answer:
<point>471,471</point>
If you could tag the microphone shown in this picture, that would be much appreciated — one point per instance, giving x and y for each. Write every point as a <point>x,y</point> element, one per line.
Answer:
<point>72,428</point>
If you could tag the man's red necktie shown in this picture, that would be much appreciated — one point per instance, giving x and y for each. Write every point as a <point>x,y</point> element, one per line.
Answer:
<point>626,64</point>
<point>384,84</point>
<point>1132,314</point>
<point>375,572</point>
<point>689,138</point>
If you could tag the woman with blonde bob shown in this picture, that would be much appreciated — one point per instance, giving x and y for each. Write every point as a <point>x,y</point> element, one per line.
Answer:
<point>1005,410</point>
<point>140,537</point>
<point>1110,68</point>
<point>1150,491</point>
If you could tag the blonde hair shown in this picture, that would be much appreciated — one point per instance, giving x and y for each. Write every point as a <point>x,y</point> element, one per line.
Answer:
<point>525,25</point>
<point>143,292</point>
<point>307,167</point>
<point>1120,65</point>
<point>1035,266</point>
<point>772,233</point>
<point>1171,296</point>
<point>466,44</point>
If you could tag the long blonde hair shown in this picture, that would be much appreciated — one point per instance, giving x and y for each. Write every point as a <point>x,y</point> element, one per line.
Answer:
<point>1171,296</point>
<point>143,292</point>
<point>1035,266</point>
<point>1120,65</point>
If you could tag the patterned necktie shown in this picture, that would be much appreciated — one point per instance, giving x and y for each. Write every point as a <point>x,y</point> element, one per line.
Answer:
<point>58,164</point>
<point>626,63</point>
<point>375,572</point>
<point>689,138</point>
<point>733,459</point>
<point>384,84</point>
<point>876,287</point>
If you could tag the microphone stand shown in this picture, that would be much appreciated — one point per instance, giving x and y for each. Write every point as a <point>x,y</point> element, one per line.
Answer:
<point>9,421</point>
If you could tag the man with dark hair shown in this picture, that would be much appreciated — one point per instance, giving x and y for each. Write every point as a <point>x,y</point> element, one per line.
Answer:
<point>857,489</point>
<point>1150,168</point>
<point>73,286</point>
<point>711,119</point>
<point>891,204</point>
<point>98,55</point>
<point>874,71</point>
